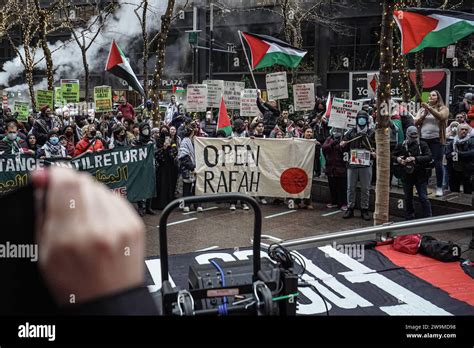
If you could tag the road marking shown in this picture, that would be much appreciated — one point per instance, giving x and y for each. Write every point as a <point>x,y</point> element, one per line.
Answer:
<point>179,222</point>
<point>194,212</point>
<point>207,249</point>
<point>332,213</point>
<point>279,214</point>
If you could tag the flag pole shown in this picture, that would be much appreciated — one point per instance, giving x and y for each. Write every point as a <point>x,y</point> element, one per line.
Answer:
<point>246,57</point>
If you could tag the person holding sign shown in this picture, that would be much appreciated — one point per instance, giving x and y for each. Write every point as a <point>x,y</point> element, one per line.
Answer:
<point>270,113</point>
<point>359,146</point>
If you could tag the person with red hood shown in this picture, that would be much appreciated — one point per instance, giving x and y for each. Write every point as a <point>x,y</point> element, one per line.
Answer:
<point>127,110</point>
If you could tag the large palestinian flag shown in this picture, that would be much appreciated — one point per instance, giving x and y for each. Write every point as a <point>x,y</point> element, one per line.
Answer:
<point>118,65</point>
<point>267,51</point>
<point>421,27</point>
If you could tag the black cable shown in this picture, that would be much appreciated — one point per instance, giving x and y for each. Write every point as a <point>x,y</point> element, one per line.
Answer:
<point>306,284</point>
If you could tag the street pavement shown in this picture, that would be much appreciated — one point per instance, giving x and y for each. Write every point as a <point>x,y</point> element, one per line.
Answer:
<point>218,227</point>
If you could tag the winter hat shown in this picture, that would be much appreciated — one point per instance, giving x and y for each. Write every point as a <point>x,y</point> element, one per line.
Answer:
<point>412,132</point>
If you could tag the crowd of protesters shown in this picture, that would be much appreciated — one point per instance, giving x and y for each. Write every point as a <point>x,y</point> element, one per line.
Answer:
<point>419,143</point>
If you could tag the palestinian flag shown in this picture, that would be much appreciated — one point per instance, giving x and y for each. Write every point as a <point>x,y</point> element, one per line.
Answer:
<point>223,122</point>
<point>267,51</point>
<point>422,27</point>
<point>118,65</point>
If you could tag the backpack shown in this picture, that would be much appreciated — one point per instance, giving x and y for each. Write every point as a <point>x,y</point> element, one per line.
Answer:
<point>440,250</point>
<point>408,244</point>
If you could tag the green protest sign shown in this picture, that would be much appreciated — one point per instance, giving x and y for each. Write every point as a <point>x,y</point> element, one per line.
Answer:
<point>58,96</point>
<point>44,98</point>
<point>128,171</point>
<point>70,90</point>
<point>23,109</point>
<point>103,98</point>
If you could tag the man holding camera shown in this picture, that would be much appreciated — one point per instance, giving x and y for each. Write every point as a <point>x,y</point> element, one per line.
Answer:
<point>412,160</point>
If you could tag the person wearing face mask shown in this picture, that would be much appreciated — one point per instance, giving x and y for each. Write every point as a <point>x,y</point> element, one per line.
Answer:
<point>89,142</point>
<point>119,137</point>
<point>52,148</point>
<point>411,160</point>
<point>166,168</point>
<point>45,124</point>
<point>68,133</point>
<point>460,159</point>
<point>11,143</point>
<point>359,145</point>
<point>336,170</point>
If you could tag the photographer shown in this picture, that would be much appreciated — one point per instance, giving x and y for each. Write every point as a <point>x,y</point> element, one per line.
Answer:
<point>412,160</point>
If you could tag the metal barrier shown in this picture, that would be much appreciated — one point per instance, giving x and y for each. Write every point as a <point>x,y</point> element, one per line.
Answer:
<point>427,225</point>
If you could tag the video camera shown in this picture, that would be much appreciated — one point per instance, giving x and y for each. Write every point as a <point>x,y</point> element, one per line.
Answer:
<point>249,287</point>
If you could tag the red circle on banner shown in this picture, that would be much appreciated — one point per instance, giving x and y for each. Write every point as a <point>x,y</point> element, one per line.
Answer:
<point>294,180</point>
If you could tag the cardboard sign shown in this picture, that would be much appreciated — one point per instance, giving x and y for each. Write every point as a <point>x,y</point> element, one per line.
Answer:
<point>215,90</point>
<point>44,98</point>
<point>23,109</point>
<point>248,103</point>
<point>58,97</point>
<point>196,98</point>
<point>70,90</point>
<point>343,113</point>
<point>232,90</point>
<point>103,98</point>
<point>277,86</point>
<point>303,96</point>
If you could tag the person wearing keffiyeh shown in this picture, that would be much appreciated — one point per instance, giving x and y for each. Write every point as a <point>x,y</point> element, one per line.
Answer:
<point>460,158</point>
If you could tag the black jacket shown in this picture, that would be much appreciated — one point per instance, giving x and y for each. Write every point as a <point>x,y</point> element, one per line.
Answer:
<point>423,158</point>
<point>364,141</point>
<point>270,116</point>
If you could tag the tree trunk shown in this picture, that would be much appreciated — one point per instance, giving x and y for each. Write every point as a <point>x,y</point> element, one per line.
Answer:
<point>86,74</point>
<point>382,132</point>
<point>30,82</point>
<point>44,44</point>
<point>160,55</point>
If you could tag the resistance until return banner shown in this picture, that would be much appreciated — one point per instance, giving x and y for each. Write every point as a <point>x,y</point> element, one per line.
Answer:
<point>128,171</point>
<point>258,167</point>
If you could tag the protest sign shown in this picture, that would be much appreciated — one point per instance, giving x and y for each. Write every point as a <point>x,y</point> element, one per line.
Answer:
<point>103,98</point>
<point>248,103</point>
<point>70,91</point>
<point>343,113</point>
<point>277,86</point>
<point>215,90</point>
<point>303,96</point>
<point>196,98</point>
<point>232,90</point>
<point>44,98</point>
<point>23,109</point>
<point>258,167</point>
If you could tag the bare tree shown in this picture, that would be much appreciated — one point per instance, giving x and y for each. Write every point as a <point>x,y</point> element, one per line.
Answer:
<point>161,38</point>
<point>18,18</point>
<point>84,30</point>
<point>46,26</point>
<point>382,139</point>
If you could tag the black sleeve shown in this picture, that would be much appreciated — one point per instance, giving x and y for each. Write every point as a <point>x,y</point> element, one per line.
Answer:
<point>425,156</point>
<point>398,151</point>
<point>135,301</point>
<point>41,137</point>
<point>260,106</point>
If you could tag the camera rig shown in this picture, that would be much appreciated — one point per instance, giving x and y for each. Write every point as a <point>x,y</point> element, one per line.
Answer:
<point>248,287</point>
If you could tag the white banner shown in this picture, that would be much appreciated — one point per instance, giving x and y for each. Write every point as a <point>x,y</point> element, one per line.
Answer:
<point>248,103</point>
<point>232,91</point>
<point>258,167</point>
<point>196,98</point>
<point>343,113</point>
<point>215,90</point>
<point>303,96</point>
<point>277,86</point>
